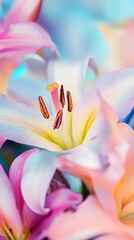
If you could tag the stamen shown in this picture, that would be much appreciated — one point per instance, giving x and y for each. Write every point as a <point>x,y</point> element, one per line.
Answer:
<point>69,102</point>
<point>43,108</point>
<point>58,119</point>
<point>62,96</point>
<point>53,88</point>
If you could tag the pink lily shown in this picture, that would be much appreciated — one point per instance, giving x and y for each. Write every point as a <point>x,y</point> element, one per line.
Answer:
<point>99,223</point>
<point>17,220</point>
<point>78,129</point>
<point>17,34</point>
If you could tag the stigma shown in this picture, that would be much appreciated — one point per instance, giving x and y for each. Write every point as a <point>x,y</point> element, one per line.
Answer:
<point>59,102</point>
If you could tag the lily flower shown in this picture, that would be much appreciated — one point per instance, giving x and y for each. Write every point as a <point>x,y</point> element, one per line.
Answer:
<point>100,223</point>
<point>17,220</point>
<point>17,32</point>
<point>69,119</point>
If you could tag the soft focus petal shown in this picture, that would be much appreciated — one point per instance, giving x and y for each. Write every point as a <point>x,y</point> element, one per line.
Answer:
<point>18,38</point>
<point>124,190</point>
<point>58,202</point>
<point>63,199</point>
<point>117,89</point>
<point>6,68</point>
<point>9,212</point>
<point>88,221</point>
<point>22,10</point>
<point>37,175</point>
<point>2,140</point>
<point>32,77</point>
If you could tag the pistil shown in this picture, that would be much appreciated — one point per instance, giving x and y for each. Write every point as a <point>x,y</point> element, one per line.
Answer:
<point>53,88</point>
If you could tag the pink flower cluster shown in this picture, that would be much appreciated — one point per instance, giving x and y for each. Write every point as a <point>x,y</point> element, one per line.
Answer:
<point>71,125</point>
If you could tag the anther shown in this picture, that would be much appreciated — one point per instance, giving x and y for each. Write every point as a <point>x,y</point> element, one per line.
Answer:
<point>43,108</point>
<point>69,102</point>
<point>58,119</point>
<point>62,96</point>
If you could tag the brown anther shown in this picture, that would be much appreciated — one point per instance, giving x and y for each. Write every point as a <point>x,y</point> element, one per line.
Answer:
<point>62,96</point>
<point>43,108</point>
<point>69,102</point>
<point>58,119</point>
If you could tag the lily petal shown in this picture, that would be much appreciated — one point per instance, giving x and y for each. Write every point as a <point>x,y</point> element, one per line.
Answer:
<point>72,75</point>
<point>32,77</point>
<point>15,174</point>
<point>34,192</point>
<point>9,213</point>
<point>63,199</point>
<point>2,140</point>
<point>58,201</point>
<point>22,10</point>
<point>18,38</point>
<point>24,124</point>
<point>117,89</point>
<point>97,160</point>
<point>81,225</point>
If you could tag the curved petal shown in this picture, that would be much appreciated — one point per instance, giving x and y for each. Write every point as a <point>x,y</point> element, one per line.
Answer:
<point>85,223</point>
<point>72,75</point>
<point>2,140</point>
<point>58,202</point>
<point>101,160</point>
<point>9,214</point>
<point>32,77</point>
<point>22,10</point>
<point>24,124</point>
<point>35,183</point>
<point>15,174</point>
<point>18,38</point>
<point>63,199</point>
<point>117,89</point>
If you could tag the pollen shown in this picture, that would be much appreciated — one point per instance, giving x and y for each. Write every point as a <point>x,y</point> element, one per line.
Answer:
<point>58,119</point>
<point>52,87</point>
<point>43,108</point>
<point>62,96</point>
<point>69,102</point>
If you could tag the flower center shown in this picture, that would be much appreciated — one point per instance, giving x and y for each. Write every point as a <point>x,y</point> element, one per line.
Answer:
<point>58,102</point>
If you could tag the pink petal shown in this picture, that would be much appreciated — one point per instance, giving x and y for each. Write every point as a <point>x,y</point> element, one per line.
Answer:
<point>9,212</point>
<point>63,199</point>
<point>37,175</point>
<point>58,201</point>
<point>15,175</point>
<point>101,160</point>
<point>18,39</point>
<point>2,140</point>
<point>22,10</point>
<point>88,221</point>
